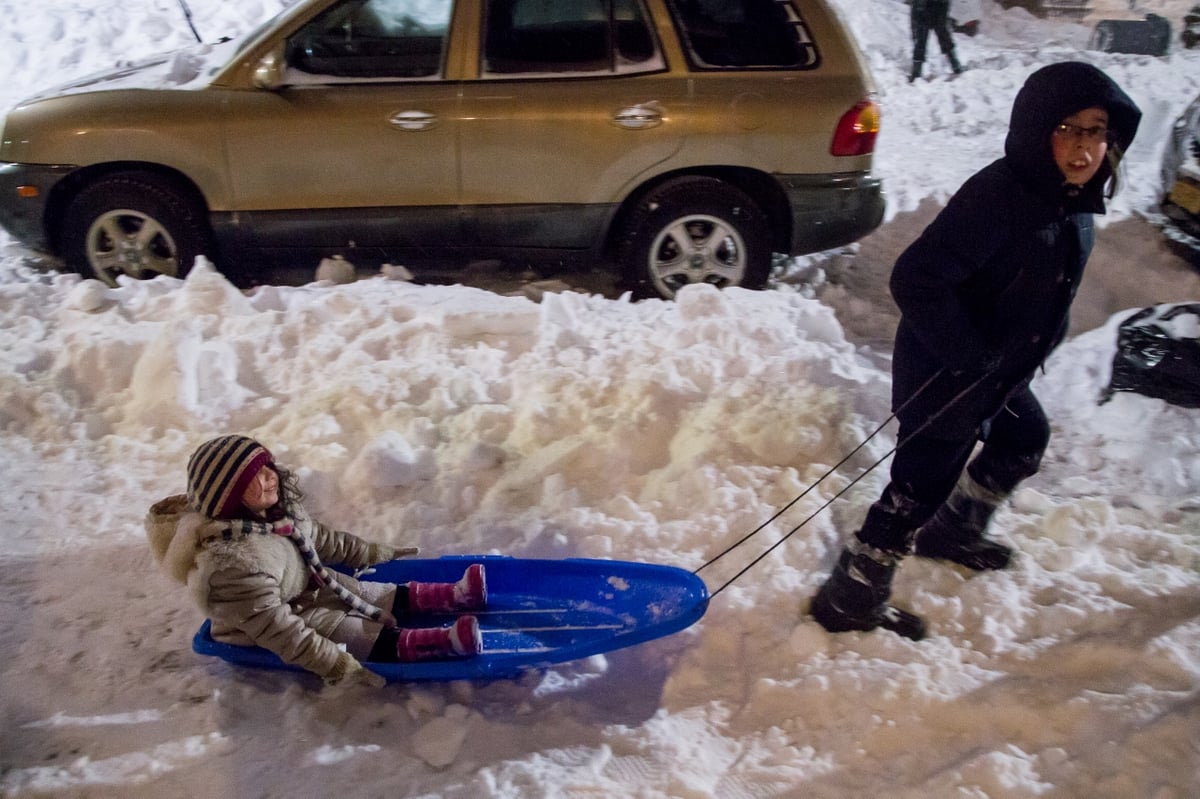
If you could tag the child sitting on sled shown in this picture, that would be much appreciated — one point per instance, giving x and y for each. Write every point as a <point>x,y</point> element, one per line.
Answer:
<point>255,564</point>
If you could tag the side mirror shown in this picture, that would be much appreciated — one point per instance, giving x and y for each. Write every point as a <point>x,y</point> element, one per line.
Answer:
<point>268,73</point>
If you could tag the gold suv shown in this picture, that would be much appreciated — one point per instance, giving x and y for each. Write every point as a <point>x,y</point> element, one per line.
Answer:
<point>680,140</point>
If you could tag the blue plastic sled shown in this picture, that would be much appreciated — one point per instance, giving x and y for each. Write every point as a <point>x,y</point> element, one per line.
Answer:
<point>540,612</point>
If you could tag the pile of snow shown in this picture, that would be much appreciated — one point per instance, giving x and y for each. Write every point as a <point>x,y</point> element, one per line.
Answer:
<point>466,422</point>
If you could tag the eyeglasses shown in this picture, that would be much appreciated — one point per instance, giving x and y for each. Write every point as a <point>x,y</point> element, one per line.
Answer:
<point>1092,135</point>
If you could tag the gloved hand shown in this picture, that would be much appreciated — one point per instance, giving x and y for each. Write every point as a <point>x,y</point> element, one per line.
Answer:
<point>348,672</point>
<point>983,364</point>
<point>382,553</point>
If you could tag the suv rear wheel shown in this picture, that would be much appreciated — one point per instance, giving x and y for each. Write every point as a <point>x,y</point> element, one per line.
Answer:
<point>133,223</point>
<point>695,230</point>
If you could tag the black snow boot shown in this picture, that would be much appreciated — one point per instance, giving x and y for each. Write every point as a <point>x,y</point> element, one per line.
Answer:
<point>856,593</point>
<point>916,71</point>
<point>954,63</point>
<point>955,533</point>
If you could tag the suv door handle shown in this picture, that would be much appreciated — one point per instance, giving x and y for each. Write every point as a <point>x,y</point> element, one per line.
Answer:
<point>639,117</point>
<point>413,120</point>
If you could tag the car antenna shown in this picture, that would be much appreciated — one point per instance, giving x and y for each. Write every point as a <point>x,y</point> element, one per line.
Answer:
<point>187,12</point>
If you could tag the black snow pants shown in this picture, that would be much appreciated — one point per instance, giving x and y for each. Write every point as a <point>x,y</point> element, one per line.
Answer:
<point>926,468</point>
<point>932,15</point>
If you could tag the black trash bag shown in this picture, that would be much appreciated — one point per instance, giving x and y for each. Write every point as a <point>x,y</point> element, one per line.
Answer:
<point>1158,355</point>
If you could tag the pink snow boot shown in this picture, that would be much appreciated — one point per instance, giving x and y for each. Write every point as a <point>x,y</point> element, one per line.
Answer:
<point>469,593</point>
<point>461,639</point>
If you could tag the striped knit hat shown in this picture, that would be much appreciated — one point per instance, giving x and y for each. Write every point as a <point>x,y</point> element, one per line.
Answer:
<point>219,471</point>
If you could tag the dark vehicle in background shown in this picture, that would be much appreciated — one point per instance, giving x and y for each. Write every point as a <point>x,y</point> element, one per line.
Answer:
<point>1181,178</point>
<point>1189,37</point>
<point>1149,36</point>
<point>681,140</point>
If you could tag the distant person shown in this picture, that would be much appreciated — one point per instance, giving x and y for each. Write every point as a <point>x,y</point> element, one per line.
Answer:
<point>255,564</point>
<point>931,15</point>
<point>984,295</point>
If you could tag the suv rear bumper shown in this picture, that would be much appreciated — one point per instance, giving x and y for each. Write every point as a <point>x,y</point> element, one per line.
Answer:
<point>24,216</point>
<point>831,210</point>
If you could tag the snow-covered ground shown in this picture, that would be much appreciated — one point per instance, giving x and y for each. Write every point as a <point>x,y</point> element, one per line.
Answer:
<point>464,421</point>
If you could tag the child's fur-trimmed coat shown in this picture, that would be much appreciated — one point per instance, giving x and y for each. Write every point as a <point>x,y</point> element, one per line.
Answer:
<point>257,588</point>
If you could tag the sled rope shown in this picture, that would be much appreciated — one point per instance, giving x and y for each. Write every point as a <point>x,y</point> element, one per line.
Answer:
<point>820,479</point>
<point>932,418</point>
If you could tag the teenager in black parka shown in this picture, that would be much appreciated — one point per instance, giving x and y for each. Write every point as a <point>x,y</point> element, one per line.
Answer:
<point>984,295</point>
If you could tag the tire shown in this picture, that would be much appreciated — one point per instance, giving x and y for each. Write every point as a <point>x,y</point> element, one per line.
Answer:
<point>695,230</point>
<point>136,224</point>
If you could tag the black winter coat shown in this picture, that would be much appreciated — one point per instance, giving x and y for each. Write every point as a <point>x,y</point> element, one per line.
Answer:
<point>930,12</point>
<point>987,287</point>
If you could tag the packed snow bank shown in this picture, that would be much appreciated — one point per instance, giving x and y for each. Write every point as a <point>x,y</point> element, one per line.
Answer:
<point>462,421</point>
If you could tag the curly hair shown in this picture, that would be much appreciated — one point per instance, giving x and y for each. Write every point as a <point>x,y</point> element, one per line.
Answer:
<point>290,494</point>
<point>289,500</point>
<point>1115,159</point>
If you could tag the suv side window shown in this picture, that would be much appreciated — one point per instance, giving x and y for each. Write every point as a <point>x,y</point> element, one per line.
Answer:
<point>531,37</point>
<point>744,34</point>
<point>374,39</point>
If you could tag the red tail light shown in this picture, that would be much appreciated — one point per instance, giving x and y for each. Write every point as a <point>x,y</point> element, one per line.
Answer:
<point>856,130</point>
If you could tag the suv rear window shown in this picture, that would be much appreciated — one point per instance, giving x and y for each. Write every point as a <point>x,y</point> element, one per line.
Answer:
<point>565,36</point>
<point>744,34</point>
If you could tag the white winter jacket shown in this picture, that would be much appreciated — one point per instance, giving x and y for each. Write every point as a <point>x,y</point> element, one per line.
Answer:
<point>256,588</point>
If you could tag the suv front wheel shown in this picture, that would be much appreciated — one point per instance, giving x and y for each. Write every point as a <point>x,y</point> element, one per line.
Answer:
<point>135,224</point>
<point>695,230</point>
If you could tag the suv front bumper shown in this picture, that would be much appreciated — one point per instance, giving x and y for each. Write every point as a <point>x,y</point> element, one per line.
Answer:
<point>25,191</point>
<point>831,210</point>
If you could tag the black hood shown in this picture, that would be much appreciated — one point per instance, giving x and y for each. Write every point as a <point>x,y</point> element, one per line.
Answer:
<point>1049,96</point>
